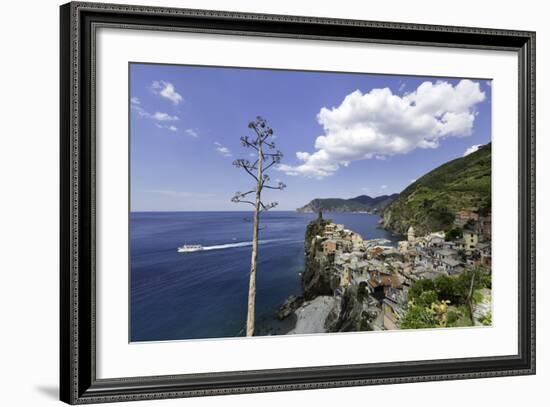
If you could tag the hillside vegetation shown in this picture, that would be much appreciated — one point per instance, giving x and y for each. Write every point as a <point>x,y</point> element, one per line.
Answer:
<point>430,203</point>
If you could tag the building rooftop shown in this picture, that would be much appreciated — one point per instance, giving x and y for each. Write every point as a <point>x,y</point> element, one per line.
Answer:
<point>446,252</point>
<point>430,275</point>
<point>451,262</point>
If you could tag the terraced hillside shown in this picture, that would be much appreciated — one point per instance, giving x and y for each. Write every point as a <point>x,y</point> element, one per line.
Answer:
<point>430,203</point>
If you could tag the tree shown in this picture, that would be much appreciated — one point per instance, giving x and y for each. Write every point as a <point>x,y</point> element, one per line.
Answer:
<point>453,234</point>
<point>445,288</point>
<point>418,287</point>
<point>266,156</point>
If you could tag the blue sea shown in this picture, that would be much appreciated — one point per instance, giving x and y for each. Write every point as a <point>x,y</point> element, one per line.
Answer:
<point>204,294</point>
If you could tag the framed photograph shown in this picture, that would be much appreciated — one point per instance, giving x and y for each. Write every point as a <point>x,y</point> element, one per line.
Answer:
<point>255,203</point>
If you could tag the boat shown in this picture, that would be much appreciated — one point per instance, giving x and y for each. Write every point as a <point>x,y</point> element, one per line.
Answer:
<point>188,248</point>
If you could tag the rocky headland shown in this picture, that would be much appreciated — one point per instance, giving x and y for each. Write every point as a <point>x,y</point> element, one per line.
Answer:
<point>331,301</point>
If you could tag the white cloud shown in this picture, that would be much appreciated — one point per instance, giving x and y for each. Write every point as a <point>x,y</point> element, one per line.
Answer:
<point>401,87</point>
<point>159,116</point>
<point>167,127</point>
<point>471,149</point>
<point>223,150</point>
<point>384,187</point>
<point>141,112</point>
<point>192,133</point>
<point>412,180</point>
<point>380,124</point>
<point>166,90</point>
<point>135,101</point>
<point>164,117</point>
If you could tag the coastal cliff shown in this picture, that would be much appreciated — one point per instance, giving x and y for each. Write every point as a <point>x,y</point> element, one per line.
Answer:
<point>330,303</point>
<point>318,277</point>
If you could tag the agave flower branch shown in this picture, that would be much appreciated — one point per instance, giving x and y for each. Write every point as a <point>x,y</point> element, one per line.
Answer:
<point>267,156</point>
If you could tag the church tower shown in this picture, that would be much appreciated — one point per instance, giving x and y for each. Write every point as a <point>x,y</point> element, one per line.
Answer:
<point>410,234</point>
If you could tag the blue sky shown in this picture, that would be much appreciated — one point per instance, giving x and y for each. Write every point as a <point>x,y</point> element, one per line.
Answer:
<point>354,133</point>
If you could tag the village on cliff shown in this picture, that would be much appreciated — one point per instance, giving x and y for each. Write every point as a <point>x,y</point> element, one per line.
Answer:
<point>353,284</point>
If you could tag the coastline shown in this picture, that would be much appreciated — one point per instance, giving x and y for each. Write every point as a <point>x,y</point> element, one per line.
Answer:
<point>352,284</point>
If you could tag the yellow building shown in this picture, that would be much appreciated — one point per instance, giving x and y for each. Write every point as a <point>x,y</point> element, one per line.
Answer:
<point>470,239</point>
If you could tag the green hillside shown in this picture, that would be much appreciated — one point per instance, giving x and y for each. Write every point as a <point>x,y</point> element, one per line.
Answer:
<point>430,203</point>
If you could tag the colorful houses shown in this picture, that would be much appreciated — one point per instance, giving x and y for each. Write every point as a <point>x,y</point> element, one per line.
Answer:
<point>329,246</point>
<point>387,272</point>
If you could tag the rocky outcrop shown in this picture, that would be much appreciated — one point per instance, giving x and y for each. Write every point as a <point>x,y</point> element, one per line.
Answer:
<point>356,311</point>
<point>326,306</point>
<point>311,317</point>
<point>318,277</point>
<point>289,306</point>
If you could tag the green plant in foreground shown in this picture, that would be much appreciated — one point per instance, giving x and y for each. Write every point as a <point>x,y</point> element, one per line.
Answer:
<point>425,315</point>
<point>429,300</point>
<point>487,319</point>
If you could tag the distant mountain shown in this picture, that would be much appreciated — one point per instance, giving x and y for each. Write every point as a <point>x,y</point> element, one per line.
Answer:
<point>380,202</point>
<point>431,203</point>
<point>361,203</point>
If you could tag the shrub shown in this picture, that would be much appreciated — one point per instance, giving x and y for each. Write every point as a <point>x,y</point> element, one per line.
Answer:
<point>486,319</point>
<point>452,317</point>
<point>427,298</point>
<point>418,317</point>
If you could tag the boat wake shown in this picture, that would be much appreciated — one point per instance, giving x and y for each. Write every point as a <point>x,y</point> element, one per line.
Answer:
<point>232,245</point>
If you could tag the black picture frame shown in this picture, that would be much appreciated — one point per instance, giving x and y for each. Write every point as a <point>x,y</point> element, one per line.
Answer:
<point>78,382</point>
